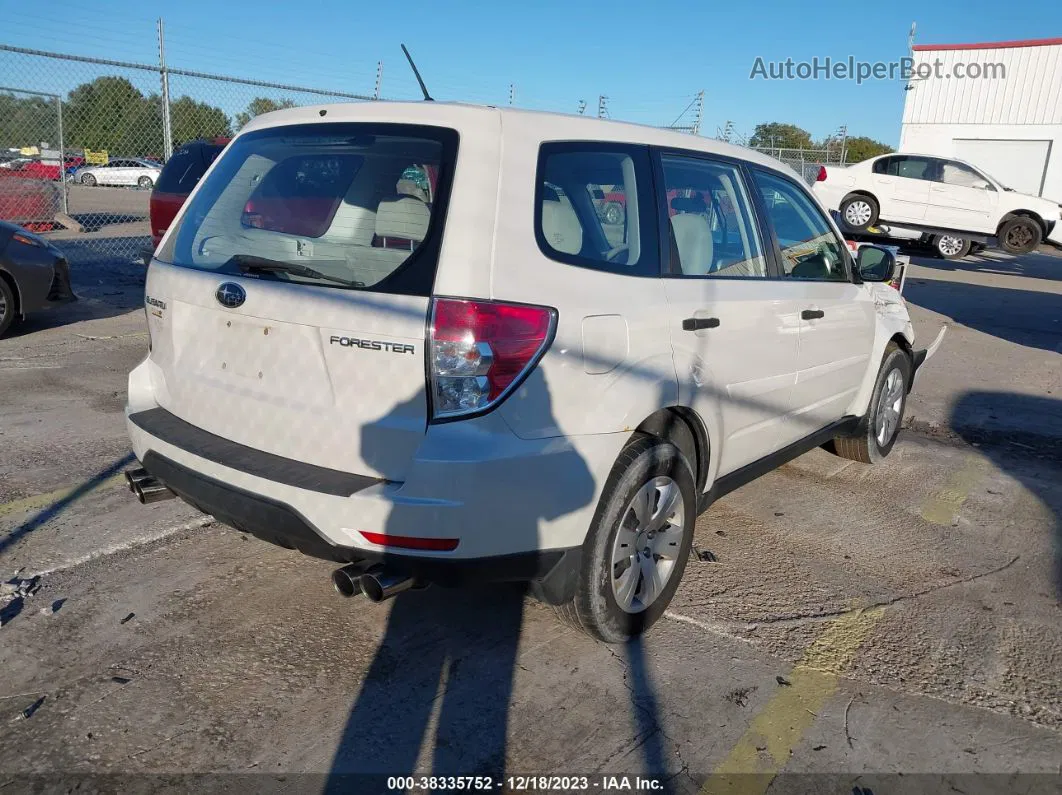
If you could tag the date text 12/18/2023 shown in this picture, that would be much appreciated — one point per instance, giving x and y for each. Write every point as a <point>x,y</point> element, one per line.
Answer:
<point>539,783</point>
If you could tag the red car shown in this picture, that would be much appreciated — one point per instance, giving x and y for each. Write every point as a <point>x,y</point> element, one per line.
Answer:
<point>180,174</point>
<point>49,170</point>
<point>27,201</point>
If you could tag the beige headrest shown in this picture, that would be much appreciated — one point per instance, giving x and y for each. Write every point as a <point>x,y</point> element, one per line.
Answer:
<point>404,217</point>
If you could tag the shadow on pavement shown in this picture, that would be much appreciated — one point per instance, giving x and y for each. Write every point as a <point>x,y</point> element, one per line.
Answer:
<point>440,683</point>
<point>1037,265</point>
<point>1034,461</point>
<point>1025,317</point>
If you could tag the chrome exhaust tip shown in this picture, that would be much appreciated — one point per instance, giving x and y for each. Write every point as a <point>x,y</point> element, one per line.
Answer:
<point>151,490</point>
<point>347,580</point>
<point>379,585</point>
<point>134,476</point>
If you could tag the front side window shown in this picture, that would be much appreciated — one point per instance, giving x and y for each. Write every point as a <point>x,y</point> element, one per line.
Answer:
<point>712,228</point>
<point>594,207</point>
<point>961,175</point>
<point>339,205</point>
<point>809,247</point>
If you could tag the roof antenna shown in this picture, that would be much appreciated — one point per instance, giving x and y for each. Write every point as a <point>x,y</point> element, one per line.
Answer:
<point>413,66</point>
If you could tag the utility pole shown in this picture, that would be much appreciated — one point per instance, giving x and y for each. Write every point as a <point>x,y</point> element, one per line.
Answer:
<point>727,131</point>
<point>602,107</point>
<point>843,133</point>
<point>512,94</point>
<point>167,130</point>
<point>379,79</point>
<point>698,113</point>
<point>582,106</point>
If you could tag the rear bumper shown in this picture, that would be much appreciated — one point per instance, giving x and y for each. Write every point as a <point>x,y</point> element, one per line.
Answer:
<point>519,507</point>
<point>551,571</point>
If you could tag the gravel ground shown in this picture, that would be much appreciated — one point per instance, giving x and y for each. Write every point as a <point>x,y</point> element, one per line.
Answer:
<point>847,611</point>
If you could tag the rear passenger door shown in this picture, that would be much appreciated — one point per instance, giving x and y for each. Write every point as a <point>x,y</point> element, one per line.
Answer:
<point>836,316</point>
<point>733,333</point>
<point>903,184</point>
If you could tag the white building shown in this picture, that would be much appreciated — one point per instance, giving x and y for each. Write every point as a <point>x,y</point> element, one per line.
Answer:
<point>1007,120</point>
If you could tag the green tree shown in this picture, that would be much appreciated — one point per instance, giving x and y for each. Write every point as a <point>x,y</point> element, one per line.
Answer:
<point>26,121</point>
<point>776,135</point>
<point>110,113</point>
<point>260,105</point>
<point>190,119</point>
<point>861,148</point>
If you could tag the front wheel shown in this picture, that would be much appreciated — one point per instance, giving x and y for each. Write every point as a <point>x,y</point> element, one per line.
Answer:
<point>7,306</point>
<point>859,211</point>
<point>884,416</point>
<point>88,179</point>
<point>1020,235</point>
<point>637,547</point>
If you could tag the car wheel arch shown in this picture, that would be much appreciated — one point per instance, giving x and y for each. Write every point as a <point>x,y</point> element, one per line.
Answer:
<point>1030,214</point>
<point>682,427</point>
<point>13,284</point>
<point>860,192</point>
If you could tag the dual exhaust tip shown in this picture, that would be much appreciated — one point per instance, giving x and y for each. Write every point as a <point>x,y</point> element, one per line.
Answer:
<point>376,582</point>
<point>148,489</point>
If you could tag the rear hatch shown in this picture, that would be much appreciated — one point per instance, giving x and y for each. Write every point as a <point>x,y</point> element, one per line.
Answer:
<point>289,310</point>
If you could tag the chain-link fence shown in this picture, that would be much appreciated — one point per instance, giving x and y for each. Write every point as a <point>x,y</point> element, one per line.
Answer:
<point>83,141</point>
<point>805,162</point>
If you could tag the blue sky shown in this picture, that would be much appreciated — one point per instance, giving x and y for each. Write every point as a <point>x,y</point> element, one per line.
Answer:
<point>649,58</point>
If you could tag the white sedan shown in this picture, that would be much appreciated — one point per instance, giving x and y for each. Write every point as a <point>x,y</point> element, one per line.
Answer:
<point>938,193</point>
<point>121,171</point>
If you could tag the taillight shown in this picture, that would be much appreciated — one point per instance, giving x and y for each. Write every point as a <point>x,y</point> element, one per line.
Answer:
<point>821,175</point>
<point>481,350</point>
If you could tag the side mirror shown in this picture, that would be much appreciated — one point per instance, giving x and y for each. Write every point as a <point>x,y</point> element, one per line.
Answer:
<point>875,264</point>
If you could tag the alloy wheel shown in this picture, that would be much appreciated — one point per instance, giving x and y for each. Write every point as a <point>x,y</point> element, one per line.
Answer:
<point>647,544</point>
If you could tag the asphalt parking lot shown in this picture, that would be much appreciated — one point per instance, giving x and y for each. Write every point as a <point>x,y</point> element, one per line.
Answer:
<point>856,622</point>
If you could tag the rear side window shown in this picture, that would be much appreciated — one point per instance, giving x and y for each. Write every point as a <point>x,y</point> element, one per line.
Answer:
<point>594,207</point>
<point>905,166</point>
<point>183,171</point>
<point>339,205</point>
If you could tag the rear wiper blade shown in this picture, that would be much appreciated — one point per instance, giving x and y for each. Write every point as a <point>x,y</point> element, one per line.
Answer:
<point>249,263</point>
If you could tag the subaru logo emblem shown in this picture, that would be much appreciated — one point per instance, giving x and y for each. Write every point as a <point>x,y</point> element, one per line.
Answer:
<point>230,294</point>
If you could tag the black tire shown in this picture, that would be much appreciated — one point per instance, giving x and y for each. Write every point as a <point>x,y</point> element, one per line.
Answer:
<point>8,309</point>
<point>88,179</point>
<point>1020,235</point>
<point>594,609</point>
<point>145,182</point>
<point>859,219</point>
<point>951,246</point>
<point>866,446</point>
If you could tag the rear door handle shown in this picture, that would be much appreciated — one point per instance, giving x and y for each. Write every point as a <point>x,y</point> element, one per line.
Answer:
<point>698,323</point>
<point>812,314</point>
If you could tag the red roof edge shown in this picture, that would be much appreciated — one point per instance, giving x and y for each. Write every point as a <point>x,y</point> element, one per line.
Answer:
<point>990,45</point>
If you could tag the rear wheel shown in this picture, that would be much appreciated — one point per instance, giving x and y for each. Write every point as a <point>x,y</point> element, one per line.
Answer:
<point>145,182</point>
<point>613,213</point>
<point>7,306</point>
<point>951,247</point>
<point>859,211</point>
<point>885,413</point>
<point>88,179</point>
<point>1020,235</point>
<point>637,547</point>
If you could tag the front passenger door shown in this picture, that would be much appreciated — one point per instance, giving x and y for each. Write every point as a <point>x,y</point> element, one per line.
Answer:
<point>836,316</point>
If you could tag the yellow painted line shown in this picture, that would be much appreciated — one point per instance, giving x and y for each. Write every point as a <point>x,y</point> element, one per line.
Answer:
<point>38,501</point>
<point>765,747</point>
<point>944,506</point>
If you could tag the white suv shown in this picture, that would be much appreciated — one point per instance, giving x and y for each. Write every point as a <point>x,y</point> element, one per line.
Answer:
<point>937,193</point>
<point>401,337</point>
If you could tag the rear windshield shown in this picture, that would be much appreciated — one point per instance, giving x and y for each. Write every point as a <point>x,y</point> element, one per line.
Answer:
<point>356,206</point>
<point>183,170</point>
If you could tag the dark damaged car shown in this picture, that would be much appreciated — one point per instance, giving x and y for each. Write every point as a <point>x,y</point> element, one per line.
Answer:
<point>34,275</point>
